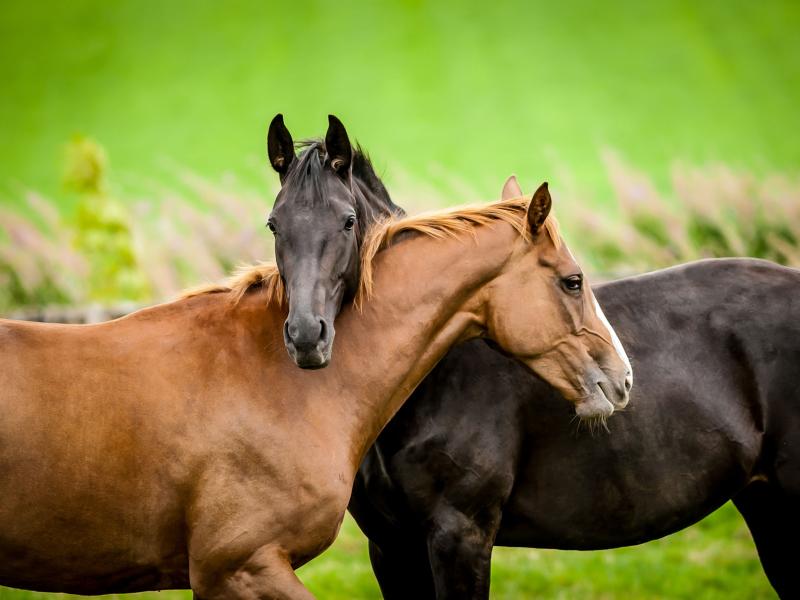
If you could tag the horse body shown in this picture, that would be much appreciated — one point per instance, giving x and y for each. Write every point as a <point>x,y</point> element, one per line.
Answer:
<point>483,453</point>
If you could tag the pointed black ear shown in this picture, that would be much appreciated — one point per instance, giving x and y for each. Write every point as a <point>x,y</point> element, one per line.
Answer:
<point>539,208</point>
<point>280,146</point>
<point>337,144</point>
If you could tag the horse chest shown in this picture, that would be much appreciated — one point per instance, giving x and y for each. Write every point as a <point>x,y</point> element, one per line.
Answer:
<point>270,493</point>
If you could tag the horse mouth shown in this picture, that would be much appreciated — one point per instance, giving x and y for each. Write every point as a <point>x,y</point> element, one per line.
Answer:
<point>309,360</point>
<point>595,406</point>
<point>618,397</point>
<point>311,365</point>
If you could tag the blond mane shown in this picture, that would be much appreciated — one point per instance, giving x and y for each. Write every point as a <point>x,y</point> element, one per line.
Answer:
<point>445,224</point>
<point>440,224</point>
<point>264,275</point>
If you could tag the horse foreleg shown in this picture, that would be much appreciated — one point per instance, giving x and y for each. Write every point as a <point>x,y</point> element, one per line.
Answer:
<point>773,517</point>
<point>265,575</point>
<point>402,570</point>
<point>460,549</point>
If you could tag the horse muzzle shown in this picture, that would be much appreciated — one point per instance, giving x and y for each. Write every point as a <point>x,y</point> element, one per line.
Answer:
<point>309,342</point>
<point>606,396</point>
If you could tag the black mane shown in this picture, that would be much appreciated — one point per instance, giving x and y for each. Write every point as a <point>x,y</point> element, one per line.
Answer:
<point>309,167</point>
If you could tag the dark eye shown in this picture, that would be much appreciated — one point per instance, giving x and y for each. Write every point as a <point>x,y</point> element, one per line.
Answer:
<point>350,223</point>
<point>271,227</point>
<point>573,283</point>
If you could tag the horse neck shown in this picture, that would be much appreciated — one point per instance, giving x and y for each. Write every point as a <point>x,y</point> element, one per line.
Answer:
<point>428,296</point>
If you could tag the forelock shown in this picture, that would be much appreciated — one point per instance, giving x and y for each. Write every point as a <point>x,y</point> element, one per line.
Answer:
<point>304,182</point>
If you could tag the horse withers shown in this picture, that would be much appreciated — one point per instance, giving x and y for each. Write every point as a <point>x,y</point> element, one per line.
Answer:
<point>179,446</point>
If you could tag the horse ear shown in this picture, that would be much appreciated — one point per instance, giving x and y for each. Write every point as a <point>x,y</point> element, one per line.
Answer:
<point>511,189</point>
<point>337,145</point>
<point>539,208</point>
<point>280,146</point>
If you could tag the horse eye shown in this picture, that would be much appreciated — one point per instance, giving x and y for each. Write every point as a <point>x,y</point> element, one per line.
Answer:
<point>271,227</point>
<point>350,223</point>
<point>573,283</point>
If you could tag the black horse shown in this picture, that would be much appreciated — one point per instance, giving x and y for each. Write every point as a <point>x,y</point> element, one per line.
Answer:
<point>484,453</point>
<point>329,197</point>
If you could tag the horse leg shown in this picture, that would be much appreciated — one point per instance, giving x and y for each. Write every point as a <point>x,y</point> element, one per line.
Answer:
<point>460,551</point>
<point>772,516</point>
<point>402,571</point>
<point>265,575</point>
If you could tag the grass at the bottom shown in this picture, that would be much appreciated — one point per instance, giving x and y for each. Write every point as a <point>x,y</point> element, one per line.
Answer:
<point>714,559</point>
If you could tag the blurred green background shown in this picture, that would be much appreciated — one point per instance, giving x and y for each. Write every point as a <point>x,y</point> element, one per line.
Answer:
<point>478,89</point>
<point>158,110</point>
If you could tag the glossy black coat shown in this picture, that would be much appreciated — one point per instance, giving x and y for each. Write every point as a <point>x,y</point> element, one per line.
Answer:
<point>484,453</point>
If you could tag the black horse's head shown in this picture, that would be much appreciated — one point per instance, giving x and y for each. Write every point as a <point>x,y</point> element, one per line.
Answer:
<point>329,197</point>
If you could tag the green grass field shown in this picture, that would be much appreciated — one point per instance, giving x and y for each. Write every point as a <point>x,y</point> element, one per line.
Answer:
<point>470,89</point>
<point>713,559</point>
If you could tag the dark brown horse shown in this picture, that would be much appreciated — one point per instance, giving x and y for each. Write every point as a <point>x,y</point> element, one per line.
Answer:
<point>329,197</point>
<point>485,453</point>
<point>180,446</point>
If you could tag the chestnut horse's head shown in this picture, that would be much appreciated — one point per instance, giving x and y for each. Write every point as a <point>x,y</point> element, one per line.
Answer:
<point>541,310</point>
<point>329,196</point>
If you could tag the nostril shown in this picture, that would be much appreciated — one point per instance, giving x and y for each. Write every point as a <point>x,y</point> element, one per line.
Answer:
<point>628,382</point>
<point>290,331</point>
<point>323,330</point>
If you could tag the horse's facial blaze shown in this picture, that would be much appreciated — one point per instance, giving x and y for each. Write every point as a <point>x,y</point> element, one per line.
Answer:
<point>570,344</point>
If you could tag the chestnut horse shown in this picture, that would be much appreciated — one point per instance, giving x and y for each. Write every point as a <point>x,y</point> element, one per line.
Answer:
<point>179,446</point>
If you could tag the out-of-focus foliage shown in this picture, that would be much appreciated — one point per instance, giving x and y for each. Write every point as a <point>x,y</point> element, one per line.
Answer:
<point>38,262</point>
<point>138,250</point>
<point>102,227</point>
<point>85,164</point>
<point>710,212</point>
<point>149,248</point>
<point>200,232</point>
